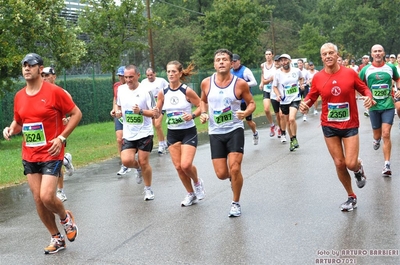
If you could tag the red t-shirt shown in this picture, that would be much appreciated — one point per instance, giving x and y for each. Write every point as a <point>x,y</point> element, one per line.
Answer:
<point>41,118</point>
<point>339,106</point>
<point>116,85</point>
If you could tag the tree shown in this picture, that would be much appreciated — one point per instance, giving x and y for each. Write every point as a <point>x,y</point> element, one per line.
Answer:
<point>113,31</point>
<point>360,29</point>
<point>311,40</point>
<point>234,25</point>
<point>35,26</point>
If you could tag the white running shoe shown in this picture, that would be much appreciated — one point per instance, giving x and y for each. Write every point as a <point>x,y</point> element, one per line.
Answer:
<point>61,195</point>
<point>283,138</point>
<point>67,162</point>
<point>255,138</point>
<point>315,112</point>
<point>123,170</point>
<point>199,190</point>
<point>235,211</point>
<point>148,194</point>
<point>161,149</point>
<point>139,176</point>
<point>189,200</point>
<point>304,117</point>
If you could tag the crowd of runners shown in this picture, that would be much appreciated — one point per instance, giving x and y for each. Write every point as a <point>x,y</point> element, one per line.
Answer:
<point>139,108</point>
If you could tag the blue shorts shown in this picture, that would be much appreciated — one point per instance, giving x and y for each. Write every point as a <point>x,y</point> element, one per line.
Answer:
<point>118,125</point>
<point>378,117</point>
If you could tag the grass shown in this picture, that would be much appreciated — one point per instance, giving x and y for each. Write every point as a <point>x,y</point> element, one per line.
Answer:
<point>88,144</point>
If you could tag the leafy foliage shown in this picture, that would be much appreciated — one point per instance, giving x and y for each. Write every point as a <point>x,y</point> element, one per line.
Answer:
<point>231,24</point>
<point>113,31</point>
<point>35,26</point>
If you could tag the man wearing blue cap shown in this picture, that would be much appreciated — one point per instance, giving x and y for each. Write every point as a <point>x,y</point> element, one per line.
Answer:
<point>38,111</point>
<point>118,123</point>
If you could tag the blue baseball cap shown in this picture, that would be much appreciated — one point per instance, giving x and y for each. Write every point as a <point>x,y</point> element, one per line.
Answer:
<point>121,70</point>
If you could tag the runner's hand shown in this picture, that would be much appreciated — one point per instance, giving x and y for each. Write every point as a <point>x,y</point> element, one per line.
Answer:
<point>240,114</point>
<point>304,108</point>
<point>204,118</point>
<point>56,147</point>
<point>7,133</point>
<point>368,102</point>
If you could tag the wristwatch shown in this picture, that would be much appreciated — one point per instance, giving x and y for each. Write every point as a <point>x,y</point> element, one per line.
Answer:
<point>140,112</point>
<point>62,138</point>
<point>193,116</point>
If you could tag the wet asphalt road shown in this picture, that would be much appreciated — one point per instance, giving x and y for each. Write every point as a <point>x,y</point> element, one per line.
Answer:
<point>290,211</point>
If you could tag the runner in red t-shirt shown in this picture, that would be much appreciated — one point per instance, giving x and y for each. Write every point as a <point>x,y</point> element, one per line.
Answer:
<point>38,111</point>
<point>339,118</point>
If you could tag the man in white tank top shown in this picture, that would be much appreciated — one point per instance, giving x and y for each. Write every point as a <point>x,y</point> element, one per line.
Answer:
<point>267,76</point>
<point>221,95</point>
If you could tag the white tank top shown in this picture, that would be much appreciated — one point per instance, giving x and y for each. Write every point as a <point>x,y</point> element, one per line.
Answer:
<point>222,108</point>
<point>175,105</point>
<point>268,72</point>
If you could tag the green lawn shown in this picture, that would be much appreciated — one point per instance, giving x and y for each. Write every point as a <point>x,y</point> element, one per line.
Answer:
<point>88,144</point>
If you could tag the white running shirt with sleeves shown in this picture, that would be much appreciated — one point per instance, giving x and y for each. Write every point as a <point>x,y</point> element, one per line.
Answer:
<point>136,126</point>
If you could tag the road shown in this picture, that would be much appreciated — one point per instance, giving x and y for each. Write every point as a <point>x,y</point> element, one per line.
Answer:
<point>290,211</point>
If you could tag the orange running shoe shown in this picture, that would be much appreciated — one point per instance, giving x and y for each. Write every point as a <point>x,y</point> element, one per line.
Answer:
<point>57,243</point>
<point>71,230</point>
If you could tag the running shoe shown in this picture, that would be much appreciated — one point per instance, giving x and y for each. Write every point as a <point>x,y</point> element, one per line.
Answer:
<point>304,117</point>
<point>291,148</point>
<point>67,162</point>
<point>123,170</point>
<point>161,149</point>
<point>283,138</point>
<point>272,132</point>
<point>366,113</point>
<point>296,143</point>
<point>349,205</point>
<point>57,243</point>
<point>360,176</point>
<point>189,200</point>
<point>148,194</point>
<point>235,211</point>
<point>139,176</point>
<point>386,170</point>
<point>376,144</point>
<point>255,138</point>
<point>61,195</point>
<point>315,112</point>
<point>70,228</point>
<point>279,132</point>
<point>199,190</point>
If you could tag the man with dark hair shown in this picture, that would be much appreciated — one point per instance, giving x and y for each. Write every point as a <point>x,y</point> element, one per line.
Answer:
<point>118,122</point>
<point>49,75</point>
<point>221,96</point>
<point>267,76</point>
<point>38,111</point>
<point>287,84</point>
<point>246,74</point>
